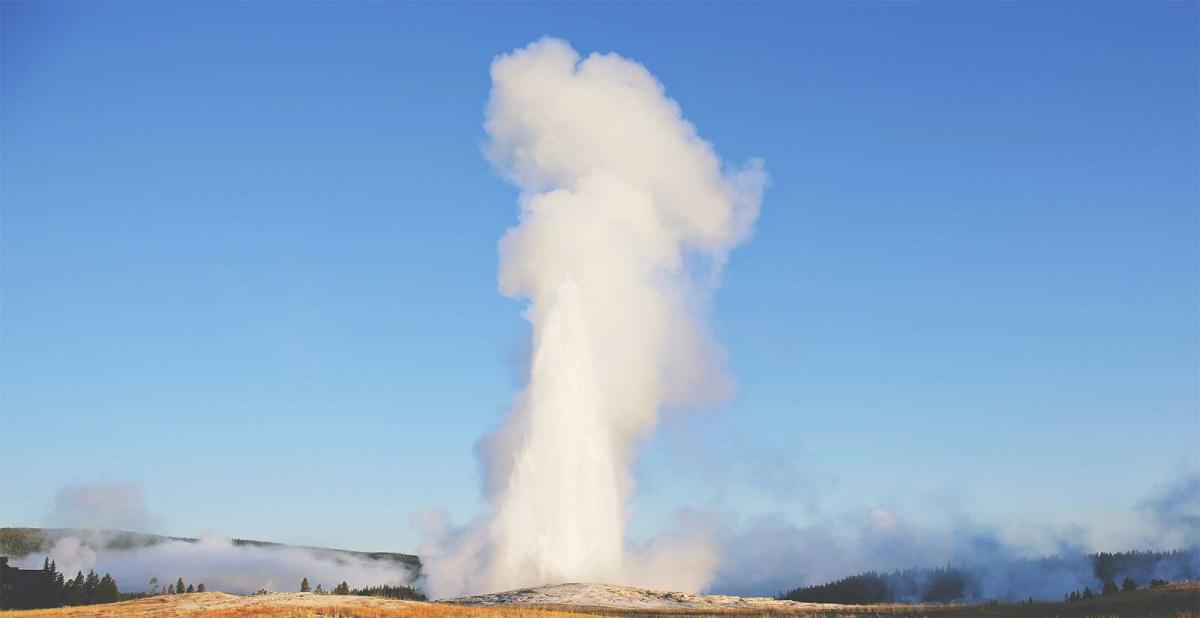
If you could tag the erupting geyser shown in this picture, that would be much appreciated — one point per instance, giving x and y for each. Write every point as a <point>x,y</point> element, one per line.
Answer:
<point>626,220</point>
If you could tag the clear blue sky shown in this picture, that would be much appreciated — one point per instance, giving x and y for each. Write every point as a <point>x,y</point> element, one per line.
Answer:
<point>249,257</point>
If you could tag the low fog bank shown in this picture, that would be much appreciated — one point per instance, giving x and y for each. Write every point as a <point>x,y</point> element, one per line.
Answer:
<point>769,558</point>
<point>218,563</point>
<point>769,555</point>
<point>91,512</point>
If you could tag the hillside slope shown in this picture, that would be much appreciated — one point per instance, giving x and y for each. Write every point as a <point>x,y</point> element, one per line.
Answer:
<point>20,542</point>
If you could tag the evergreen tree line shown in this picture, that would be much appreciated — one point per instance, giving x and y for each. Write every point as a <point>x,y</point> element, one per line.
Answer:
<point>1183,564</point>
<point>1127,585</point>
<point>408,593</point>
<point>79,590</point>
<point>175,588</point>
<point>940,585</point>
<point>950,584</point>
<point>389,592</point>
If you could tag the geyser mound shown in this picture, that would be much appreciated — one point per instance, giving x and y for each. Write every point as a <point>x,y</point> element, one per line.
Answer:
<point>627,597</point>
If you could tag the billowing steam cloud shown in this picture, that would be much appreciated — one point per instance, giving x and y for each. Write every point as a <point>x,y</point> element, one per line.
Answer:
<point>626,220</point>
<point>1174,511</point>
<point>105,506</point>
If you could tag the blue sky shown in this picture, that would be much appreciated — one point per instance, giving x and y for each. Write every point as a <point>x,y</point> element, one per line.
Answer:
<point>249,257</point>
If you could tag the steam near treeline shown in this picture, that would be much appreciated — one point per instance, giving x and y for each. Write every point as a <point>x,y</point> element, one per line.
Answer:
<point>770,555</point>
<point>1043,579</point>
<point>91,513</point>
<point>221,563</point>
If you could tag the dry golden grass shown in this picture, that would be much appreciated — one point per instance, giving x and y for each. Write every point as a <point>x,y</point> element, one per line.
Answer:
<point>219,605</point>
<point>1175,601</point>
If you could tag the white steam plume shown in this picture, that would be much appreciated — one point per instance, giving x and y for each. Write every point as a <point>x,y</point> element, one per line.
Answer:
<point>626,220</point>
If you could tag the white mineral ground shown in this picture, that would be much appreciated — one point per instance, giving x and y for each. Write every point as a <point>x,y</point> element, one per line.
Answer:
<point>628,597</point>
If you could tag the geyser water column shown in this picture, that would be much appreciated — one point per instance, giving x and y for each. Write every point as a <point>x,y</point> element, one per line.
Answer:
<point>562,509</point>
<point>626,219</point>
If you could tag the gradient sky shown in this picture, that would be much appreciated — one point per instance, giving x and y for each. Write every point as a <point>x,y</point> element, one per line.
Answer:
<point>249,257</point>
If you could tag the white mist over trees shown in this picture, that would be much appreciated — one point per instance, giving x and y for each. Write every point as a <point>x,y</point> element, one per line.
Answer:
<point>626,219</point>
<point>218,562</point>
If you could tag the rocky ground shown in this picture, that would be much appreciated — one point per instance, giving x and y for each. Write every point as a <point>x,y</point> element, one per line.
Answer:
<point>627,597</point>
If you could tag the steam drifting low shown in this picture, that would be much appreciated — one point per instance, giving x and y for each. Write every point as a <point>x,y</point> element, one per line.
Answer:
<point>94,513</point>
<point>218,562</point>
<point>626,219</point>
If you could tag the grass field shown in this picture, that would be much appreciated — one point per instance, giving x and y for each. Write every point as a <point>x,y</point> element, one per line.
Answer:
<point>1174,601</point>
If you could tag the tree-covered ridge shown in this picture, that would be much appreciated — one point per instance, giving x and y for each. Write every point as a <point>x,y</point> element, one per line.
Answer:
<point>20,542</point>
<point>1046,578</point>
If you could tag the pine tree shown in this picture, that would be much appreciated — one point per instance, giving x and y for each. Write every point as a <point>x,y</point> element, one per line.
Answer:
<point>48,573</point>
<point>1128,585</point>
<point>153,585</point>
<point>106,590</point>
<point>191,588</point>
<point>342,588</point>
<point>1087,593</point>
<point>74,590</point>
<point>170,588</point>
<point>179,586</point>
<point>1109,588</point>
<point>304,585</point>
<point>200,588</point>
<point>89,587</point>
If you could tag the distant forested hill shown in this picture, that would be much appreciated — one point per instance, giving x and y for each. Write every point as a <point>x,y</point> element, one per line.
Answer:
<point>1046,578</point>
<point>20,542</point>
